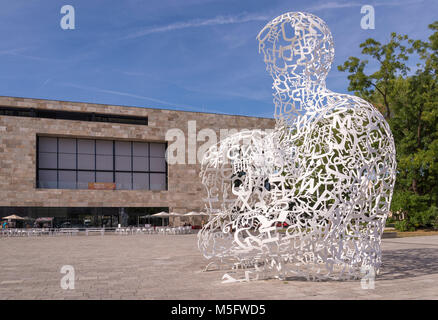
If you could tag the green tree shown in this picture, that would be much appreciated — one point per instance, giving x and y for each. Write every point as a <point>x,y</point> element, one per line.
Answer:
<point>378,87</point>
<point>410,105</point>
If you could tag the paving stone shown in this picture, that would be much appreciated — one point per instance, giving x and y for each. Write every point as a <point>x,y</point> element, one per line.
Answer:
<point>168,267</point>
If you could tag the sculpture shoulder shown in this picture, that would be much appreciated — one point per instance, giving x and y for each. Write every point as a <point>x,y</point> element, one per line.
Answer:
<point>344,103</point>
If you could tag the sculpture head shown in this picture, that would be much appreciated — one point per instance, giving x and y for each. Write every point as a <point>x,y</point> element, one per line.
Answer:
<point>298,49</point>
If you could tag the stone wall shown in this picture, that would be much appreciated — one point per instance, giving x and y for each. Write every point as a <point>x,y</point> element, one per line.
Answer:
<point>18,154</point>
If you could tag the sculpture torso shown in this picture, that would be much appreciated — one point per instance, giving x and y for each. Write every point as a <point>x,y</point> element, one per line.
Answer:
<point>326,173</point>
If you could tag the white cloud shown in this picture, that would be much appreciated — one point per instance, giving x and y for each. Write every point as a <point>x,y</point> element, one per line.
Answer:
<point>333,5</point>
<point>219,20</point>
<point>339,5</point>
<point>245,17</point>
<point>119,93</point>
<point>12,51</point>
<point>131,95</point>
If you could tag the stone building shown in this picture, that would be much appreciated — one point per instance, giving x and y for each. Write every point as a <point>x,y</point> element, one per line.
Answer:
<point>85,164</point>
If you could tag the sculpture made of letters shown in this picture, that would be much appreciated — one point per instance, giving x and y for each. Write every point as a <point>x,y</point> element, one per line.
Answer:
<point>310,198</point>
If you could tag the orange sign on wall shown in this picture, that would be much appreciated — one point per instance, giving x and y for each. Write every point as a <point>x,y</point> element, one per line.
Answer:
<point>101,186</point>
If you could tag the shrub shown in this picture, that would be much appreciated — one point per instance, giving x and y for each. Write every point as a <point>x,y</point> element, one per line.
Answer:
<point>435,224</point>
<point>404,225</point>
<point>432,217</point>
<point>418,212</point>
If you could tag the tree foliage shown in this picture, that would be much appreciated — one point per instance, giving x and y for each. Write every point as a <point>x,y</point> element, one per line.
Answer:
<point>409,101</point>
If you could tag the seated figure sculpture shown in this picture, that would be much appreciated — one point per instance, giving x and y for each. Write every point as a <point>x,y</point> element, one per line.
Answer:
<point>311,197</point>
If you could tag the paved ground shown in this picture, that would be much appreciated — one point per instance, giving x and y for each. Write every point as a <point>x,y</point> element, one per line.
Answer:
<point>169,267</point>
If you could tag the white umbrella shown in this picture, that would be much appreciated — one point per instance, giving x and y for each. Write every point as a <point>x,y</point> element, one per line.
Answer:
<point>192,213</point>
<point>176,214</point>
<point>195,213</point>
<point>161,214</point>
<point>13,217</point>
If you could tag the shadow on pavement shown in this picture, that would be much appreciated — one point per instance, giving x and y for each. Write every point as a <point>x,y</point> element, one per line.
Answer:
<point>408,263</point>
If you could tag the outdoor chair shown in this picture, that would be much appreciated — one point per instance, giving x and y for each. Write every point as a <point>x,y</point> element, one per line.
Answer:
<point>35,232</point>
<point>100,230</point>
<point>122,231</point>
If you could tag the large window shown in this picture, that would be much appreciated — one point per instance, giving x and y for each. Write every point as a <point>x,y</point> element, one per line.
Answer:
<point>70,163</point>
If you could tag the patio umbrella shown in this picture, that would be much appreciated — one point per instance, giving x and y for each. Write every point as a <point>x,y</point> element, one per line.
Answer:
<point>195,213</point>
<point>176,214</point>
<point>191,214</point>
<point>13,217</point>
<point>45,219</point>
<point>161,214</point>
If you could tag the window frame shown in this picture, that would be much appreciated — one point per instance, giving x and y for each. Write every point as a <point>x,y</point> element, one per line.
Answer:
<point>113,171</point>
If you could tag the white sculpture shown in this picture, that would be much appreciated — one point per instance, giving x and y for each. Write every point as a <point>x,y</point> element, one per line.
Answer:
<point>310,198</point>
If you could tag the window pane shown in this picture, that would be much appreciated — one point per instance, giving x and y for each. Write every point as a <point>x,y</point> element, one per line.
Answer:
<point>140,149</point>
<point>158,149</point>
<point>140,164</point>
<point>46,144</point>
<point>158,181</point>
<point>104,162</point>
<point>47,179</point>
<point>104,147</point>
<point>141,181</point>
<point>104,177</point>
<point>158,164</point>
<point>123,163</point>
<point>47,160</point>
<point>123,180</point>
<point>86,146</point>
<point>84,177</point>
<point>67,179</point>
<point>67,145</point>
<point>123,148</point>
<point>67,161</point>
<point>86,161</point>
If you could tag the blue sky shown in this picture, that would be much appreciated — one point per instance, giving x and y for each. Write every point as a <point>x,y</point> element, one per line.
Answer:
<point>194,55</point>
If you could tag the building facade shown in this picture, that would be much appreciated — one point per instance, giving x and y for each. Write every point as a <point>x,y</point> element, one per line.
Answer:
<point>84,164</point>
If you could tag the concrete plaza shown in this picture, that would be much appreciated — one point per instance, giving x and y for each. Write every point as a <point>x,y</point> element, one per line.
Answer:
<point>169,267</point>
